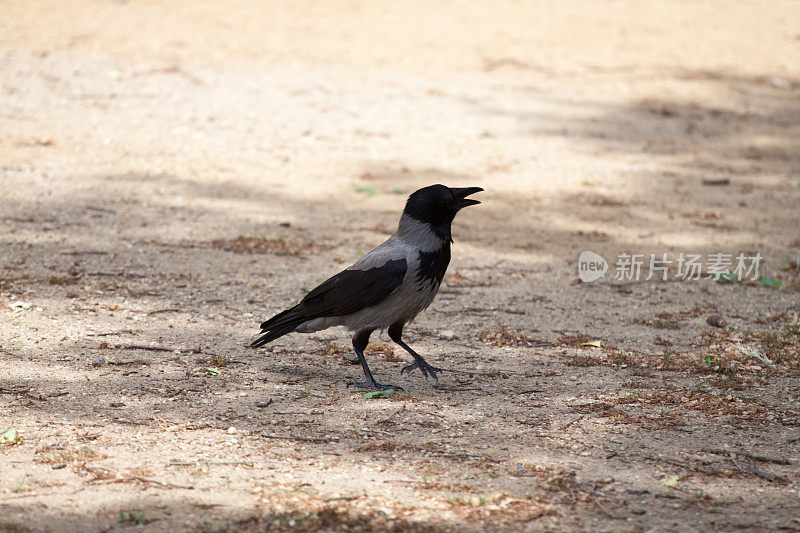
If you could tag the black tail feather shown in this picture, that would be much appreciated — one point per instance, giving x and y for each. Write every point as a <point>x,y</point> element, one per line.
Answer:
<point>283,316</point>
<point>270,336</point>
<point>281,324</point>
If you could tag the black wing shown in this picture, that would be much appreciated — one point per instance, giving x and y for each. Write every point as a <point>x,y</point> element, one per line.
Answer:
<point>343,294</point>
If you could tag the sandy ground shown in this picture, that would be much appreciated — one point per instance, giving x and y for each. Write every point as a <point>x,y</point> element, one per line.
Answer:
<point>175,172</point>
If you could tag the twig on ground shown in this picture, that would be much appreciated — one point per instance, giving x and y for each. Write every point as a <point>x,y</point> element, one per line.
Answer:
<point>749,455</point>
<point>130,422</point>
<point>18,496</point>
<point>15,390</point>
<point>215,463</point>
<point>106,475</point>
<point>479,373</point>
<point>756,471</point>
<point>149,481</point>
<point>158,311</point>
<point>760,473</point>
<point>153,348</point>
<point>645,281</point>
<point>270,522</point>
<point>23,392</point>
<point>171,244</point>
<point>84,252</point>
<point>429,413</point>
<point>109,333</point>
<point>100,209</point>
<point>463,455</point>
<point>715,182</point>
<point>129,362</point>
<point>172,69</point>
<point>128,275</point>
<point>454,389</point>
<point>321,440</point>
<point>599,505</point>
<point>494,64</point>
<point>161,349</point>
<point>572,495</point>
<point>591,492</point>
<point>346,497</point>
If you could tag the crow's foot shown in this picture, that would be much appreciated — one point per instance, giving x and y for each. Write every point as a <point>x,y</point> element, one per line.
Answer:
<point>424,367</point>
<point>372,385</point>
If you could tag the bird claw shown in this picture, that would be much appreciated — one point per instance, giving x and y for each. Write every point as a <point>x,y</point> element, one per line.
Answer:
<point>424,367</point>
<point>374,385</point>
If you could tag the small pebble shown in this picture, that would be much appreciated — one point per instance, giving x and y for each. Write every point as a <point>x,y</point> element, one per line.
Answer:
<point>448,334</point>
<point>99,361</point>
<point>716,321</point>
<point>351,358</point>
<point>231,430</point>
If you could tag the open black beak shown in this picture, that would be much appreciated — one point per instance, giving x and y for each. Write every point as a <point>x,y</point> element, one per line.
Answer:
<point>461,194</point>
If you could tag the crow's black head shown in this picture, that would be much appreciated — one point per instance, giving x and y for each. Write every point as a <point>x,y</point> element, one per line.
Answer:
<point>437,205</point>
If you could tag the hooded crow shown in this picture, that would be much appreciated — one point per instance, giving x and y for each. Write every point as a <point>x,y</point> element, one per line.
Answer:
<point>388,287</point>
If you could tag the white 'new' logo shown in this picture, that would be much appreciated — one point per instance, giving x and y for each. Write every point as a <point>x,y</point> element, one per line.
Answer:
<point>591,266</point>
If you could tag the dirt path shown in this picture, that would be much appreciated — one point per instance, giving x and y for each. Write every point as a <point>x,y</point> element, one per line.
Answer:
<point>172,173</point>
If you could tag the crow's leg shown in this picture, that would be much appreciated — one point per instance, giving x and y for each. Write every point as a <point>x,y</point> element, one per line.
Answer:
<point>396,334</point>
<point>360,341</point>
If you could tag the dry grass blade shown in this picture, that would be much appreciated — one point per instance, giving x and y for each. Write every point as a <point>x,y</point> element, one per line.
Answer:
<point>755,354</point>
<point>106,475</point>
